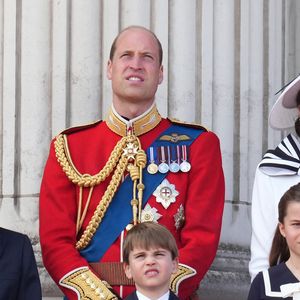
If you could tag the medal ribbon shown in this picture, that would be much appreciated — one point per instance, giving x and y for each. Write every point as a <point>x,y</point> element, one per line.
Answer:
<point>169,155</point>
<point>178,154</point>
<point>162,154</point>
<point>151,154</point>
<point>184,153</point>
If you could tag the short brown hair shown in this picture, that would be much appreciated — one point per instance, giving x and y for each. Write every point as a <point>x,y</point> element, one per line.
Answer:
<point>114,44</point>
<point>147,235</point>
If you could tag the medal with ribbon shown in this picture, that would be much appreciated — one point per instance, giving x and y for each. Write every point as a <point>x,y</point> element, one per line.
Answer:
<point>152,167</point>
<point>163,167</point>
<point>185,166</point>
<point>175,156</point>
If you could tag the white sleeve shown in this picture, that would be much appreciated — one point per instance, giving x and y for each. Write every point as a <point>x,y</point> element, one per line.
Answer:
<point>264,221</point>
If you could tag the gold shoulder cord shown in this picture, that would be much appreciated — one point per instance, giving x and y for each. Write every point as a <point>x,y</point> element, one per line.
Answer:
<point>126,154</point>
<point>86,180</point>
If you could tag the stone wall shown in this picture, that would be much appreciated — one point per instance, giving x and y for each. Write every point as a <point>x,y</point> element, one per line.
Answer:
<point>223,62</point>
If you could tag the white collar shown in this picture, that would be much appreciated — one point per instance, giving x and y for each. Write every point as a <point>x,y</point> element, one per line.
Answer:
<point>284,159</point>
<point>163,297</point>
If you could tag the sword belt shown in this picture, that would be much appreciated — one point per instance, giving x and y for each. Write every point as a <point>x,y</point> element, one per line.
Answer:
<point>112,272</point>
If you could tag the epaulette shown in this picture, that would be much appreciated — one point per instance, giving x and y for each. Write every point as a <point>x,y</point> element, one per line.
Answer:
<point>193,125</point>
<point>80,127</point>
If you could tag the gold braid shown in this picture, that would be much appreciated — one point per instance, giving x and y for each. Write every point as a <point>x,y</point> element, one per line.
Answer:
<point>131,147</point>
<point>103,205</point>
<point>87,180</point>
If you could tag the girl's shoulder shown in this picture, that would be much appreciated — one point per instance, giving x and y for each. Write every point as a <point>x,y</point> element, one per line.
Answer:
<point>275,277</point>
<point>266,284</point>
<point>282,274</point>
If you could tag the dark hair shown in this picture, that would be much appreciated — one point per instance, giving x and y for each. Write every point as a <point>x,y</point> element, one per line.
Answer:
<point>147,235</point>
<point>114,44</point>
<point>280,251</point>
<point>297,122</point>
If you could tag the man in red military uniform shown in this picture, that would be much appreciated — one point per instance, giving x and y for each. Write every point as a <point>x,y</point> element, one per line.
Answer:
<point>135,166</point>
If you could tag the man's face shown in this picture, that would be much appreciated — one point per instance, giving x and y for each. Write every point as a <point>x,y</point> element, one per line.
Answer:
<point>151,269</point>
<point>135,70</point>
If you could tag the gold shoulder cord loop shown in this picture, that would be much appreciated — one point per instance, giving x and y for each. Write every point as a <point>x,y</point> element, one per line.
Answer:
<point>141,161</point>
<point>102,206</point>
<point>136,173</point>
<point>85,180</point>
<point>127,152</point>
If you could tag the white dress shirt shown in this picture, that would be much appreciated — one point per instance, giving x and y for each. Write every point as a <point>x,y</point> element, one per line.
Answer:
<point>163,297</point>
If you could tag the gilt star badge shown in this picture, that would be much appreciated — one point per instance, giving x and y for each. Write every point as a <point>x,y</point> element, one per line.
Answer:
<point>150,214</point>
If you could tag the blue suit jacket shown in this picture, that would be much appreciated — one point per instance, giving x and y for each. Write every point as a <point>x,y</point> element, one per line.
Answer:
<point>133,296</point>
<point>19,278</point>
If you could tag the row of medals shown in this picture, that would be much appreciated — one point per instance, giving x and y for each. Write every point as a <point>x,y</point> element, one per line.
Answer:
<point>164,167</point>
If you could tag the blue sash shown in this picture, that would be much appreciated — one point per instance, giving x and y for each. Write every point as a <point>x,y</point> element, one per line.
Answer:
<point>119,212</point>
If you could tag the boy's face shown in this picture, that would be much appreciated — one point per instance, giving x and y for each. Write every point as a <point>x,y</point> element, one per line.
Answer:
<point>151,269</point>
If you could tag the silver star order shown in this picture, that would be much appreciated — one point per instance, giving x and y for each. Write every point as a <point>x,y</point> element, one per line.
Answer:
<point>150,214</point>
<point>130,151</point>
<point>165,193</point>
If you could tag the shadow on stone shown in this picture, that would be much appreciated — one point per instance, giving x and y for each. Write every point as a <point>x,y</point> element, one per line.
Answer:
<point>228,277</point>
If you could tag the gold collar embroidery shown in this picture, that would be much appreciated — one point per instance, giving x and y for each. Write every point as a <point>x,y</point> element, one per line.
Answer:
<point>139,125</point>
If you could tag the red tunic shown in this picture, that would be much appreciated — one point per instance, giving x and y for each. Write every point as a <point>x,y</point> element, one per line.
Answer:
<point>201,192</point>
